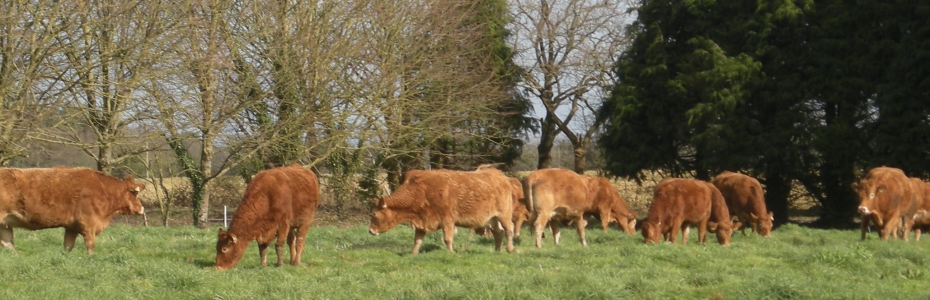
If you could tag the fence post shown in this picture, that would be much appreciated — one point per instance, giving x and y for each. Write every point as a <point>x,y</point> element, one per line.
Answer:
<point>225,224</point>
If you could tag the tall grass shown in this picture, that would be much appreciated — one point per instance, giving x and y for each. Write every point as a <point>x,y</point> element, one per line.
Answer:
<point>347,263</point>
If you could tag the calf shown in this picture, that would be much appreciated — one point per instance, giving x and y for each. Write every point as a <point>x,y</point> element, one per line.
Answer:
<point>278,204</point>
<point>443,199</point>
<point>745,200</point>
<point>79,199</point>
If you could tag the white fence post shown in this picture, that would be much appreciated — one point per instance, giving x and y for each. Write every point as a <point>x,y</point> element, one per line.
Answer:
<point>225,224</point>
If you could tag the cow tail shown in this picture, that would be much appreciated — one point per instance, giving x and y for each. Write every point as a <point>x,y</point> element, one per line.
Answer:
<point>530,201</point>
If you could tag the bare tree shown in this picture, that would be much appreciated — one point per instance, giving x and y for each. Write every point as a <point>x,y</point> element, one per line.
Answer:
<point>29,71</point>
<point>423,80</point>
<point>110,52</point>
<point>568,49</point>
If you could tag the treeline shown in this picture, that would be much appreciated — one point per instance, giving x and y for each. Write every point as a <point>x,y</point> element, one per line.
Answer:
<point>205,88</point>
<point>788,91</point>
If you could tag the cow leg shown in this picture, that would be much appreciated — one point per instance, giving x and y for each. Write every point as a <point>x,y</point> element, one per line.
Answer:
<point>702,231</point>
<point>292,244</point>
<point>673,234</point>
<point>864,225</point>
<point>70,237</point>
<point>891,228</point>
<point>554,227</point>
<point>417,240</point>
<point>299,243</point>
<point>517,225</point>
<point>605,220</point>
<point>508,228</point>
<point>6,237</point>
<point>917,233</point>
<point>90,239</point>
<point>263,252</point>
<point>580,224</point>
<point>908,225</point>
<point>498,231</point>
<point>542,219</point>
<point>283,232</point>
<point>448,233</point>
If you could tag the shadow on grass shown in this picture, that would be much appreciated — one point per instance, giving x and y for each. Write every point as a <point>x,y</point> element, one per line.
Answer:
<point>204,263</point>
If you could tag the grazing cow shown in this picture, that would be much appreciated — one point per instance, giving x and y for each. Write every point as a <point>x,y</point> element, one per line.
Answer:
<point>921,218</point>
<point>744,198</point>
<point>79,199</point>
<point>680,203</point>
<point>885,197</point>
<point>563,195</point>
<point>443,199</point>
<point>278,204</point>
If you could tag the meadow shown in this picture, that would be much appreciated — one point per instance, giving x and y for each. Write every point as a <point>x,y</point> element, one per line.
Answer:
<point>347,263</point>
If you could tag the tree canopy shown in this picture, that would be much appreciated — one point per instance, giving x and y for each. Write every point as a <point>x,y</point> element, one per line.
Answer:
<point>788,91</point>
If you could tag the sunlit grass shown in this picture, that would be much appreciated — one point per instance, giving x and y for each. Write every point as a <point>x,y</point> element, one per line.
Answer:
<point>347,263</point>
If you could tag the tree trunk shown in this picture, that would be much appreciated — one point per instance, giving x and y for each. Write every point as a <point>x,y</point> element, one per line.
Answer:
<point>580,153</point>
<point>777,191</point>
<point>197,192</point>
<point>104,153</point>
<point>546,140</point>
<point>836,172</point>
<point>206,163</point>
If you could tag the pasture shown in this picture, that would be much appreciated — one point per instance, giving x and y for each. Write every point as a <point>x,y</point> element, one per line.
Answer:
<point>348,263</point>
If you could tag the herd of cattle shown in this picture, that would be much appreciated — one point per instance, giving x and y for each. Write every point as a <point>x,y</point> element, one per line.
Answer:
<point>279,205</point>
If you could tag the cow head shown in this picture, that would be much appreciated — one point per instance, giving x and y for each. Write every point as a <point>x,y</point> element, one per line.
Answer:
<point>229,250</point>
<point>619,212</point>
<point>723,230</point>
<point>762,224</point>
<point>868,193</point>
<point>130,197</point>
<point>382,217</point>
<point>624,218</point>
<point>652,231</point>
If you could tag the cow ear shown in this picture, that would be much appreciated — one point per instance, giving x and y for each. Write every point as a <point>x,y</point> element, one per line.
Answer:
<point>129,178</point>
<point>233,238</point>
<point>771,216</point>
<point>737,225</point>
<point>855,185</point>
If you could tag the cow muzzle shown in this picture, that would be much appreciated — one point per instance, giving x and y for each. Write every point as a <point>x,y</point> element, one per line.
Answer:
<point>863,210</point>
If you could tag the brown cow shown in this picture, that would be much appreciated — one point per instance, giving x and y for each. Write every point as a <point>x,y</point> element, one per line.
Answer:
<point>79,199</point>
<point>520,213</point>
<point>744,198</point>
<point>680,203</point>
<point>885,197</point>
<point>443,199</point>
<point>561,194</point>
<point>278,204</point>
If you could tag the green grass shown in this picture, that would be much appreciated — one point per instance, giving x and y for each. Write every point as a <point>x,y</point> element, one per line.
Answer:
<point>347,263</point>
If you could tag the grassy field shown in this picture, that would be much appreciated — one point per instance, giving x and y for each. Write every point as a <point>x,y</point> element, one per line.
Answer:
<point>347,263</point>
